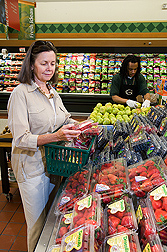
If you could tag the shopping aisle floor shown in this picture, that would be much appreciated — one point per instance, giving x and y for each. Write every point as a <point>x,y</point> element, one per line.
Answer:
<point>12,223</point>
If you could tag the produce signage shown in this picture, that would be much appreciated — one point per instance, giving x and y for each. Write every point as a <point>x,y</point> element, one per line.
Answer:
<point>27,21</point>
<point>10,14</point>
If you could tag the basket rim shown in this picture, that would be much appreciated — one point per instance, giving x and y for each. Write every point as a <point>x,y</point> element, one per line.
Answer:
<point>55,145</point>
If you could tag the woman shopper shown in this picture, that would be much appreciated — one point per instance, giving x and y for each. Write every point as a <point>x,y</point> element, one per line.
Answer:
<point>35,110</point>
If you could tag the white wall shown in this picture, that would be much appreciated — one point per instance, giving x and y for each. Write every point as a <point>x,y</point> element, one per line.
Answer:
<point>100,11</point>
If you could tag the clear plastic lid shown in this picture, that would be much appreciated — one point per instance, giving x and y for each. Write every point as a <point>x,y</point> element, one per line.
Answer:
<point>75,187</point>
<point>120,217</point>
<point>122,242</point>
<point>87,210</point>
<point>63,224</point>
<point>151,243</point>
<point>157,201</point>
<point>146,175</point>
<point>84,238</point>
<point>110,178</point>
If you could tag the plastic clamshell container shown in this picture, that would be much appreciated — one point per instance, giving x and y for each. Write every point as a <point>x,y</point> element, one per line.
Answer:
<point>87,210</point>
<point>157,201</point>
<point>84,238</point>
<point>63,225</point>
<point>120,217</point>
<point>139,142</point>
<point>146,175</point>
<point>55,248</point>
<point>124,242</point>
<point>110,178</point>
<point>152,243</point>
<point>75,187</point>
<point>146,223</point>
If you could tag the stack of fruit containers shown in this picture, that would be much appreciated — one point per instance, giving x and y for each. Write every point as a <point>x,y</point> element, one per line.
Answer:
<point>75,187</point>
<point>110,180</point>
<point>98,203</point>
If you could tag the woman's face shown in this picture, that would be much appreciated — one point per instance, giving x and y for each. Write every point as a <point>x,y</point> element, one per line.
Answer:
<point>44,66</point>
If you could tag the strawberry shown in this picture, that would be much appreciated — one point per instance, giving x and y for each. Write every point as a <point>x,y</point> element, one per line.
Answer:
<point>151,172</point>
<point>62,231</point>
<point>155,175</point>
<point>157,248</point>
<point>146,186</point>
<point>156,204</point>
<point>145,212</point>
<point>143,174</point>
<point>157,181</point>
<point>113,221</point>
<point>148,229</point>
<point>119,214</point>
<point>112,230</point>
<point>80,221</point>
<point>164,204</point>
<point>122,229</point>
<point>160,215</point>
<point>133,246</point>
<point>127,221</point>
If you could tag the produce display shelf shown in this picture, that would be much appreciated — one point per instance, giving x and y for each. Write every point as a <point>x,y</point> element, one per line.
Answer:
<point>48,233</point>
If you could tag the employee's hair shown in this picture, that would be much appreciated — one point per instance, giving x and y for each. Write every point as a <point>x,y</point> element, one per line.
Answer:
<point>26,73</point>
<point>123,70</point>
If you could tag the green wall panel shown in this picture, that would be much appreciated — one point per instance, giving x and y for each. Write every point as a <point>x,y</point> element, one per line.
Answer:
<point>139,27</point>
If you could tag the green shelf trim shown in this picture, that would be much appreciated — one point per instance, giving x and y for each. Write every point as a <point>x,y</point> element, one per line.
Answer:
<point>138,27</point>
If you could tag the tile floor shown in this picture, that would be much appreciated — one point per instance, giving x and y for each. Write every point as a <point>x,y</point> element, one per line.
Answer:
<point>12,223</point>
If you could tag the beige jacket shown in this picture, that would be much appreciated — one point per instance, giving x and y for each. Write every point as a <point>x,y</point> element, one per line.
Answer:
<point>30,114</point>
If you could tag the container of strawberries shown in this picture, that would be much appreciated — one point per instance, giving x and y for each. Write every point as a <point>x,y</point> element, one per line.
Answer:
<point>75,187</point>
<point>157,201</point>
<point>85,238</point>
<point>120,216</point>
<point>64,223</point>
<point>146,175</point>
<point>152,243</point>
<point>87,210</point>
<point>122,242</point>
<point>146,224</point>
<point>110,179</point>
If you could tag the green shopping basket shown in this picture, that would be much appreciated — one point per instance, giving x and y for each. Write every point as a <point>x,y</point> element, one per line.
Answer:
<point>64,161</point>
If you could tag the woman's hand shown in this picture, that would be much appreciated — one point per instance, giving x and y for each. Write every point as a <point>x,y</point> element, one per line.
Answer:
<point>66,134</point>
<point>63,134</point>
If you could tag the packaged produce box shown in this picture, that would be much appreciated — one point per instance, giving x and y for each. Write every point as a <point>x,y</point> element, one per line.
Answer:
<point>75,187</point>
<point>120,217</point>
<point>146,175</point>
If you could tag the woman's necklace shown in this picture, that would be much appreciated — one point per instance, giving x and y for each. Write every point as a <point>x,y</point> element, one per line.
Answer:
<point>49,87</point>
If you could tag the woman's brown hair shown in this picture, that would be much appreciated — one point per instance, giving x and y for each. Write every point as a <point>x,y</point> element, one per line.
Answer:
<point>26,74</point>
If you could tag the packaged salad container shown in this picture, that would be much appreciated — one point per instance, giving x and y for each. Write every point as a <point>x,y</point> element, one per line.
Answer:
<point>146,175</point>
<point>124,242</point>
<point>86,238</point>
<point>110,179</point>
<point>75,187</point>
<point>120,217</point>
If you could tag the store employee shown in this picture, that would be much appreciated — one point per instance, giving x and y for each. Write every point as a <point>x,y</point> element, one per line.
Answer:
<point>129,83</point>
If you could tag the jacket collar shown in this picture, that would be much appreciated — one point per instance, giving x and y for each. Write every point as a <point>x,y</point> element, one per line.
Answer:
<point>32,87</point>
